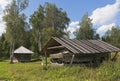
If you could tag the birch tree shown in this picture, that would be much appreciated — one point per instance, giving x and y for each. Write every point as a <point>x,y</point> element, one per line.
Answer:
<point>37,20</point>
<point>15,23</point>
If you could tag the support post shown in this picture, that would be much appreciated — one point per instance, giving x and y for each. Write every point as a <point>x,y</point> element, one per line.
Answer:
<point>45,58</point>
<point>115,57</point>
<point>72,60</point>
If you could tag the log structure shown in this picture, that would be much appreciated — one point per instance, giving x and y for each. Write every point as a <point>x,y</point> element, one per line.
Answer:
<point>71,51</point>
<point>22,54</point>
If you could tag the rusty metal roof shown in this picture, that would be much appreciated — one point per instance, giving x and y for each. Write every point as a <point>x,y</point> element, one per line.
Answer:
<point>84,46</point>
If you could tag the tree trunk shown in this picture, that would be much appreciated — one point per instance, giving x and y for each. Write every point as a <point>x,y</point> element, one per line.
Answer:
<point>39,42</point>
<point>12,53</point>
<point>53,26</point>
<point>10,50</point>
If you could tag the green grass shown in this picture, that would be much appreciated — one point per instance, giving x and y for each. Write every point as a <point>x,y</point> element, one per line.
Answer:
<point>33,71</point>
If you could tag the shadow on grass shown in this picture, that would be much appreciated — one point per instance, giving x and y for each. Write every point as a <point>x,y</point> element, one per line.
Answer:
<point>35,60</point>
<point>3,60</point>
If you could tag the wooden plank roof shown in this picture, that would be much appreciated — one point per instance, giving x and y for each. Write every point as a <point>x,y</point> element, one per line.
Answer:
<point>85,46</point>
<point>23,50</point>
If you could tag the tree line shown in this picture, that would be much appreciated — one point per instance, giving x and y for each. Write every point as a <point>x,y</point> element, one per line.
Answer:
<point>47,21</point>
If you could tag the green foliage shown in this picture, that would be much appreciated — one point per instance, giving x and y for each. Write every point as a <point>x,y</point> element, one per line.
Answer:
<point>15,22</point>
<point>56,22</point>
<point>108,71</point>
<point>48,21</point>
<point>4,48</point>
<point>113,36</point>
<point>37,22</point>
<point>56,18</point>
<point>85,31</point>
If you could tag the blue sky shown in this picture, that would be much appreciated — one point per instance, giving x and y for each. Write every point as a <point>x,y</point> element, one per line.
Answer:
<point>75,9</point>
<point>105,13</point>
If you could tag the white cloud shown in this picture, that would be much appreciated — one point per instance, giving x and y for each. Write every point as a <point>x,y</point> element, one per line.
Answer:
<point>3,3</point>
<point>105,17</point>
<point>73,26</point>
<point>2,28</point>
<point>106,14</point>
<point>101,30</point>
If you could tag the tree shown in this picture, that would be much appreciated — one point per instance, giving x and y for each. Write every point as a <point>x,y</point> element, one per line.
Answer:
<point>48,21</point>
<point>4,47</point>
<point>113,36</point>
<point>15,23</point>
<point>85,31</point>
<point>56,19</point>
<point>37,20</point>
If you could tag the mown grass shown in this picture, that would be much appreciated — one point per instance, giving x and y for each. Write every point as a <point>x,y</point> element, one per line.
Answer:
<point>33,71</point>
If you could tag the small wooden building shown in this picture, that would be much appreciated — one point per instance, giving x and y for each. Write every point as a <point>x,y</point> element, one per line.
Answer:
<point>71,51</point>
<point>22,54</point>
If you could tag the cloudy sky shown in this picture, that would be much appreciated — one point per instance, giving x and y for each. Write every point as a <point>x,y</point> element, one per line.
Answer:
<point>105,13</point>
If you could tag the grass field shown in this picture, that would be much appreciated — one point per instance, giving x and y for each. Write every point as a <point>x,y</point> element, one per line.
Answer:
<point>33,71</point>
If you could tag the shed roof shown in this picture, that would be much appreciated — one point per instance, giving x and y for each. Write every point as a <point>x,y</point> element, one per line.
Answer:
<point>23,50</point>
<point>83,46</point>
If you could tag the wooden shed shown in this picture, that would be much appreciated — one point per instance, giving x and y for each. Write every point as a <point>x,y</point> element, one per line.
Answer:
<point>72,51</point>
<point>22,54</point>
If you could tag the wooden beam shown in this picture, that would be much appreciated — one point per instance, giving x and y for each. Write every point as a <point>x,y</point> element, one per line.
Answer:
<point>72,60</point>
<point>55,47</point>
<point>64,52</point>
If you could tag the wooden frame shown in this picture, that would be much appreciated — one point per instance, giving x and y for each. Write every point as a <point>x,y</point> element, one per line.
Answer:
<point>55,47</point>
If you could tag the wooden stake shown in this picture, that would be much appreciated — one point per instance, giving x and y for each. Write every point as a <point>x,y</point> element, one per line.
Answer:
<point>72,60</point>
<point>45,58</point>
